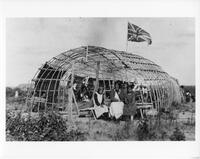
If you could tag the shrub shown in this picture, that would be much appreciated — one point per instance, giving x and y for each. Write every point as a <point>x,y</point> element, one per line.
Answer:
<point>46,127</point>
<point>9,92</point>
<point>177,135</point>
<point>142,130</point>
<point>118,135</point>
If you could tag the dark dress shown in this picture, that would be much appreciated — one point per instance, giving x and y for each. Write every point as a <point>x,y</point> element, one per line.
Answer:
<point>96,100</point>
<point>129,104</point>
<point>123,95</point>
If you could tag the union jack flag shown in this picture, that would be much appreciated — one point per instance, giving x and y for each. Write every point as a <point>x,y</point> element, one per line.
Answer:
<point>137,34</point>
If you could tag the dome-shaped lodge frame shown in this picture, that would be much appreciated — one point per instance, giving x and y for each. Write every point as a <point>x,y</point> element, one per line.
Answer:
<point>51,87</point>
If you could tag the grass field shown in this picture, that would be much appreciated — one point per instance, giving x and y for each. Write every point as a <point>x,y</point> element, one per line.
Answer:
<point>100,130</point>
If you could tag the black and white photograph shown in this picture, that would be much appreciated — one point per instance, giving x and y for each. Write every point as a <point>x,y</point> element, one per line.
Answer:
<point>100,79</point>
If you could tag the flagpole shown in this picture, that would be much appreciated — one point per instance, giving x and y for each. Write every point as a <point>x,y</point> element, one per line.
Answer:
<point>127,38</point>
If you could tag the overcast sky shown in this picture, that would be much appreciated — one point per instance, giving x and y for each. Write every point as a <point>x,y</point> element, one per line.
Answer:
<point>30,42</point>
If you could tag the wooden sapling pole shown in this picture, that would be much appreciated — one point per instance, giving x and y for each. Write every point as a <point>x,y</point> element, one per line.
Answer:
<point>104,86</point>
<point>171,94</point>
<point>167,94</point>
<point>141,111</point>
<point>70,104</point>
<point>70,95</point>
<point>109,85</point>
<point>161,95</point>
<point>73,96</point>
<point>157,98</point>
<point>65,92</point>
<point>149,91</point>
<point>97,78</point>
<point>113,74</point>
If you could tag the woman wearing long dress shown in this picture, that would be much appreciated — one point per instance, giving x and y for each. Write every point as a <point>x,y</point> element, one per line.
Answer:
<point>101,110</point>
<point>129,104</point>
<point>116,106</point>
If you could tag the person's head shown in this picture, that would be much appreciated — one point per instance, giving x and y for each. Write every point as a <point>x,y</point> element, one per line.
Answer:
<point>125,85</point>
<point>43,94</point>
<point>129,89</point>
<point>112,86</point>
<point>100,90</point>
<point>116,86</point>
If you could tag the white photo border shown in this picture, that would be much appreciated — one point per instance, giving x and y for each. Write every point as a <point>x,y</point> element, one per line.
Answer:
<point>89,8</point>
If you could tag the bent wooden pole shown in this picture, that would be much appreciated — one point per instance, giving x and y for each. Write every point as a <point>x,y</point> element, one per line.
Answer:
<point>97,78</point>
<point>70,95</point>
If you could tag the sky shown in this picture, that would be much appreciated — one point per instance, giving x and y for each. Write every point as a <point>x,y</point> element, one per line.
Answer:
<point>30,42</point>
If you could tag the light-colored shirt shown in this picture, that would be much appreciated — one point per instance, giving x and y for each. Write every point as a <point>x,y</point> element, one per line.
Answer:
<point>117,96</point>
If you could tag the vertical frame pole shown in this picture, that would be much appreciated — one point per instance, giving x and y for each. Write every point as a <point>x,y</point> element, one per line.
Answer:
<point>97,78</point>
<point>70,100</point>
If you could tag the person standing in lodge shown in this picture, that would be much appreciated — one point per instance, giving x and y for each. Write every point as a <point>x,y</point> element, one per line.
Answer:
<point>123,92</point>
<point>101,110</point>
<point>145,93</point>
<point>129,104</point>
<point>116,106</point>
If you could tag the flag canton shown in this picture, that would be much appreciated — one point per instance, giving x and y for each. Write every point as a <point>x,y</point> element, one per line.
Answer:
<point>137,34</point>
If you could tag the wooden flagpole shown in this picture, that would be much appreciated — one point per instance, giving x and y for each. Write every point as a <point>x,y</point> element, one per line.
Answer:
<point>127,38</point>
